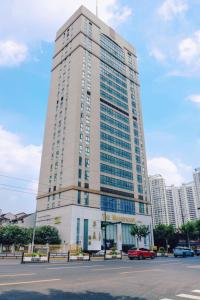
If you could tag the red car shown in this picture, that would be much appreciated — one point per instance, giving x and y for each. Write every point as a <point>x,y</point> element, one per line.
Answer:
<point>141,253</point>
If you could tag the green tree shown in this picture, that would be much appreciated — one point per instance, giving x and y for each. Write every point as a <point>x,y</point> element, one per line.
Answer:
<point>139,231</point>
<point>47,234</point>
<point>197,226</point>
<point>14,235</point>
<point>165,235</point>
<point>188,231</point>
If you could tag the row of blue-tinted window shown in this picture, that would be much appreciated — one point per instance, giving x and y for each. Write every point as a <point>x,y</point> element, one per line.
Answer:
<point>115,151</point>
<point>117,183</point>
<point>113,113</point>
<point>115,131</point>
<point>113,77</point>
<point>115,141</point>
<point>117,205</point>
<point>115,161</point>
<point>113,71</point>
<point>113,100</point>
<point>113,84</point>
<point>107,88</point>
<point>112,47</point>
<point>116,172</point>
<point>112,61</point>
<point>114,122</point>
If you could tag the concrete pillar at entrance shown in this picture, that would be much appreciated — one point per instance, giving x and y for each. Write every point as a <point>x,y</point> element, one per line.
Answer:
<point>119,236</point>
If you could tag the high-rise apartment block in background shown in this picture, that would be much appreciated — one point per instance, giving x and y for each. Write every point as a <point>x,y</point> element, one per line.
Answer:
<point>188,202</point>
<point>196,176</point>
<point>158,200</point>
<point>174,205</point>
<point>93,162</point>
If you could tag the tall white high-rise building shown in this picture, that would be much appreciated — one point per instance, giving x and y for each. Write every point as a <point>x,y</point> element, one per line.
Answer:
<point>188,202</point>
<point>93,164</point>
<point>174,206</point>
<point>159,200</point>
<point>196,176</point>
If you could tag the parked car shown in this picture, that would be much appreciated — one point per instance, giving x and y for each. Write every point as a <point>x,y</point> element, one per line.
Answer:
<point>182,251</point>
<point>141,253</point>
<point>197,251</point>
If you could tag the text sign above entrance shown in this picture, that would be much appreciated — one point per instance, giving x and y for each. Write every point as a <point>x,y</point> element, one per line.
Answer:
<point>118,218</point>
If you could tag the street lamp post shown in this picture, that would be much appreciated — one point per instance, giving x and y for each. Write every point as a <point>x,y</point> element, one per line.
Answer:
<point>33,236</point>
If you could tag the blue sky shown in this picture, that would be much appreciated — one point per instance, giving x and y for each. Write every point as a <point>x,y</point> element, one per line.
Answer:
<point>166,34</point>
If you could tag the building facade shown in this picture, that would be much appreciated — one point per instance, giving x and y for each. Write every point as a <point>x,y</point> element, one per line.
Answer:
<point>188,202</point>
<point>196,176</point>
<point>159,200</point>
<point>93,166</point>
<point>174,206</point>
<point>171,204</point>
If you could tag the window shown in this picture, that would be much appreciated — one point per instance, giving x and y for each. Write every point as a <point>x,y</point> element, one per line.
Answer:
<point>87,162</point>
<point>139,169</point>
<point>78,231</point>
<point>114,122</point>
<point>115,151</point>
<point>117,205</point>
<point>139,178</point>
<point>80,161</point>
<point>105,180</point>
<point>115,161</point>
<point>79,173</point>
<point>141,208</point>
<point>140,189</point>
<point>115,131</point>
<point>86,175</point>
<point>79,197</point>
<point>116,172</point>
<point>115,141</point>
<point>86,198</point>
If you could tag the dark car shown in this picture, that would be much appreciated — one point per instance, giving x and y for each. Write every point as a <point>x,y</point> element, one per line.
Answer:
<point>141,253</point>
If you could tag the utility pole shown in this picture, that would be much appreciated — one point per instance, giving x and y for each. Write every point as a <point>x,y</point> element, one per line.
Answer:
<point>105,245</point>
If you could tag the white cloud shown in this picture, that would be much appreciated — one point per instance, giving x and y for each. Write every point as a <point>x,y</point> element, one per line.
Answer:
<point>195,99</point>
<point>189,49</point>
<point>38,20</point>
<point>34,21</point>
<point>12,53</point>
<point>21,161</point>
<point>157,54</point>
<point>171,8</point>
<point>173,173</point>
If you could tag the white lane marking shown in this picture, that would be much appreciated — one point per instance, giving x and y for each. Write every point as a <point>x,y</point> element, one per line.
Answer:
<point>141,271</point>
<point>16,275</point>
<point>166,299</point>
<point>28,282</point>
<point>189,296</point>
<point>193,267</point>
<point>105,269</point>
<point>74,267</point>
<point>196,291</point>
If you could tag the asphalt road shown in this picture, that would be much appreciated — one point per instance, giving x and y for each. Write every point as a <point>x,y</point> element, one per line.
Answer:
<point>159,279</point>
